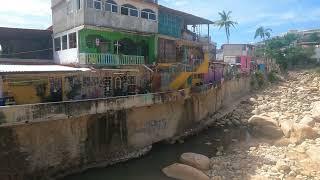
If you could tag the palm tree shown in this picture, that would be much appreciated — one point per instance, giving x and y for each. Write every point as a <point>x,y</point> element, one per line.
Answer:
<point>225,22</point>
<point>263,33</point>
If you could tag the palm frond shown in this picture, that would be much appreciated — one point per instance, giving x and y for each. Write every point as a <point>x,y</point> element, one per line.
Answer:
<point>226,22</point>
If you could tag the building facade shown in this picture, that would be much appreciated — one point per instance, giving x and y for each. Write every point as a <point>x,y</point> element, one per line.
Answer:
<point>238,54</point>
<point>104,32</point>
<point>117,33</point>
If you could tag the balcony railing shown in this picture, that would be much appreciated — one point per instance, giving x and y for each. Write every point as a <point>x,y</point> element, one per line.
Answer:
<point>110,59</point>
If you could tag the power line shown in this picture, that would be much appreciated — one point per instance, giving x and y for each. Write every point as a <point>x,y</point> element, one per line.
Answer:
<point>26,52</point>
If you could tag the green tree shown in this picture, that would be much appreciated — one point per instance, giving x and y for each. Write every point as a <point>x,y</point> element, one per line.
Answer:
<point>226,23</point>
<point>314,37</point>
<point>263,33</point>
<point>286,52</point>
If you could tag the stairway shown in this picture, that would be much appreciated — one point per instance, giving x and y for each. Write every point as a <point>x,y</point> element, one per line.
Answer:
<point>183,77</point>
<point>180,80</point>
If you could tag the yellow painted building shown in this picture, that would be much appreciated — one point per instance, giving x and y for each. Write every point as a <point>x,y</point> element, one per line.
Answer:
<point>30,84</point>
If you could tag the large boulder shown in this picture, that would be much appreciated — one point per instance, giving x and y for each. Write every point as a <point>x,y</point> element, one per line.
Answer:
<point>270,132</point>
<point>308,120</point>
<point>184,172</point>
<point>265,126</point>
<point>314,153</point>
<point>196,160</point>
<point>301,132</point>
<point>257,120</point>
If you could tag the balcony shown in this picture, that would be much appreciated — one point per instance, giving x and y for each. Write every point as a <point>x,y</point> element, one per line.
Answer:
<point>191,36</point>
<point>110,59</point>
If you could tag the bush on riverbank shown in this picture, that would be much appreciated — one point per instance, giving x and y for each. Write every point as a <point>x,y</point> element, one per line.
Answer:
<point>258,80</point>
<point>273,77</point>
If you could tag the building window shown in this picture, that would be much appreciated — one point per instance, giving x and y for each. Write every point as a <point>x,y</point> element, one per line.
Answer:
<point>97,4</point>
<point>132,80</point>
<point>238,60</point>
<point>64,42</point>
<point>148,14</point>
<point>111,6</point>
<point>129,10</point>
<point>57,44</point>
<point>90,3</point>
<point>78,4</point>
<point>73,40</point>
<point>118,83</point>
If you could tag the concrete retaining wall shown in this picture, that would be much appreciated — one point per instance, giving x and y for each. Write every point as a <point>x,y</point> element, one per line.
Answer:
<point>37,141</point>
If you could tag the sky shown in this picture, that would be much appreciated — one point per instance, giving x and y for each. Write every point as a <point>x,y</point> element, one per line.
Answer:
<point>279,15</point>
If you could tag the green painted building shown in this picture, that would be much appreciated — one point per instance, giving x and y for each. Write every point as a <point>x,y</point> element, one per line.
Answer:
<point>99,45</point>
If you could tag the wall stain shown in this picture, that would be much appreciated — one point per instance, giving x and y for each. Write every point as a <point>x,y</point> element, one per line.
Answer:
<point>106,134</point>
<point>13,162</point>
<point>188,116</point>
<point>2,118</point>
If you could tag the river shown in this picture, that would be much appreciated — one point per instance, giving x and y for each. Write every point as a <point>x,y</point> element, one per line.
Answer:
<point>149,167</point>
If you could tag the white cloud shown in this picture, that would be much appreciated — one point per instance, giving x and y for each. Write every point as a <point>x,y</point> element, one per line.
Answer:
<point>26,7</point>
<point>25,13</point>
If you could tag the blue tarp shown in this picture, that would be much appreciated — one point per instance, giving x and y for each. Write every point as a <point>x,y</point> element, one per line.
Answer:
<point>262,67</point>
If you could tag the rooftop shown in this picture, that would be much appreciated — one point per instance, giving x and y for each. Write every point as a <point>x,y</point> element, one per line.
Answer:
<point>5,68</point>
<point>18,33</point>
<point>189,19</point>
<point>251,45</point>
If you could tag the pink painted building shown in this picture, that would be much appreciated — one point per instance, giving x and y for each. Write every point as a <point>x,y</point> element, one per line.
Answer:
<point>245,63</point>
<point>238,54</point>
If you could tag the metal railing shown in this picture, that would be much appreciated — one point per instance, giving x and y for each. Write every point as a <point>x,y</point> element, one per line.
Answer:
<point>127,59</point>
<point>110,59</point>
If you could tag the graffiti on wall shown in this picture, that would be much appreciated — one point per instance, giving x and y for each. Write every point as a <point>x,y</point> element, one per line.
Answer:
<point>154,127</point>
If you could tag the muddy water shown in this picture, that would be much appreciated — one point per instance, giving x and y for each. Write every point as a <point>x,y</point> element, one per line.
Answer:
<point>149,167</point>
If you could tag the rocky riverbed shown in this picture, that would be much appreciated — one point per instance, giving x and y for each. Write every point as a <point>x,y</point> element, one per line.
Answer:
<point>284,121</point>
